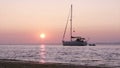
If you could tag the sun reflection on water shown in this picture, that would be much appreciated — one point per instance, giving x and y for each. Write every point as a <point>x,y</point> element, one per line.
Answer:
<point>42,53</point>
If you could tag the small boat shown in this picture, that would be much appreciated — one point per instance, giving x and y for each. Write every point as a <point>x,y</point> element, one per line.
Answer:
<point>74,41</point>
<point>92,44</point>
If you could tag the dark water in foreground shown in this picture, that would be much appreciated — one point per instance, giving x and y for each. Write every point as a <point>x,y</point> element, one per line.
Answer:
<point>100,55</point>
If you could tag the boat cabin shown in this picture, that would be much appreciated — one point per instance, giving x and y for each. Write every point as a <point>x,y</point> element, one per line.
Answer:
<point>79,39</point>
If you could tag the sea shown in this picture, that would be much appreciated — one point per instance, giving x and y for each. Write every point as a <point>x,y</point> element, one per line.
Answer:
<point>99,55</point>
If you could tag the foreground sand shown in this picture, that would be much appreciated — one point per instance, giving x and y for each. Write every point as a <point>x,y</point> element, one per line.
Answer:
<point>27,64</point>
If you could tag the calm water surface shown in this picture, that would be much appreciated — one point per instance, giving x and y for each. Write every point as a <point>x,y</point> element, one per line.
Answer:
<point>106,55</point>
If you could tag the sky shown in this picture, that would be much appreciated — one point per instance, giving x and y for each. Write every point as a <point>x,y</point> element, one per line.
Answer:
<point>22,21</point>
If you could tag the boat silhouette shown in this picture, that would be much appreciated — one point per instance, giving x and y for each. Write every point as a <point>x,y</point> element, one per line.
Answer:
<point>74,40</point>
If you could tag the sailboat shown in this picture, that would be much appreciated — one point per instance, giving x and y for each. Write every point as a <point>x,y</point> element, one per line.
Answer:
<point>74,41</point>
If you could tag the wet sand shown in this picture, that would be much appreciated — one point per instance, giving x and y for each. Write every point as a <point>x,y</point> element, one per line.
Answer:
<point>29,64</point>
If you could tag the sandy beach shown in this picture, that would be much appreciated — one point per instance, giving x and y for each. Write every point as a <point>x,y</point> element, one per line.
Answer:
<point>29,64</point>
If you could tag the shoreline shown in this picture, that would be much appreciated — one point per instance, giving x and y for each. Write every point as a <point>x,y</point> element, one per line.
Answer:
<point>10,63</point>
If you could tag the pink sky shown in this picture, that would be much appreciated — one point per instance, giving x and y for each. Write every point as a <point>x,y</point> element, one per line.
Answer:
<point>21,21</point>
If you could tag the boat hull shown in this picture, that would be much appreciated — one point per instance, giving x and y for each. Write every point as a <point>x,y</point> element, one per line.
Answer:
<point>74,43</point>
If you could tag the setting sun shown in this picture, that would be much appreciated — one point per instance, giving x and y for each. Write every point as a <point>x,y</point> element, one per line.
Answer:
<point>42,35</point>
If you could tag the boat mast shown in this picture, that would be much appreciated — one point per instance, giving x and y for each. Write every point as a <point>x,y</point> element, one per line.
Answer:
<point>71,23</point>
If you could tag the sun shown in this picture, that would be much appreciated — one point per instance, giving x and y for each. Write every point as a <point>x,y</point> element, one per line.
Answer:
<point>42,36</point>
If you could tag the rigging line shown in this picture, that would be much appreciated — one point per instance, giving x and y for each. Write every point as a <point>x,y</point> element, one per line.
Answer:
<point>66,27</point>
